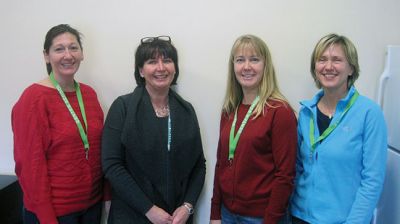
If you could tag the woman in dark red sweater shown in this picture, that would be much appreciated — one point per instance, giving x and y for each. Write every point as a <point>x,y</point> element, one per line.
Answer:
<point>57,124</point>
<point>257,147</point>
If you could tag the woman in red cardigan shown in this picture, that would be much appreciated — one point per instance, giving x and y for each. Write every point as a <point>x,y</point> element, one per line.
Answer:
<point>57,124</point>
<point>257,145</point>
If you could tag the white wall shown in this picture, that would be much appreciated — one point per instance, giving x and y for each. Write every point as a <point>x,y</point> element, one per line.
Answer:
<point>203,32</point>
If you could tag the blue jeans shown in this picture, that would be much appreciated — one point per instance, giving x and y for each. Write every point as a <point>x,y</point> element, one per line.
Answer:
<point>91,215</point>
<point>228,217</point>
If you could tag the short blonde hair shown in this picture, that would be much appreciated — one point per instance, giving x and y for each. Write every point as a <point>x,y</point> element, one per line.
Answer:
<point>350,52</point>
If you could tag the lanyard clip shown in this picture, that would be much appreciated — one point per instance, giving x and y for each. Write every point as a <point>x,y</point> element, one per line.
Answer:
<point>230,161</point>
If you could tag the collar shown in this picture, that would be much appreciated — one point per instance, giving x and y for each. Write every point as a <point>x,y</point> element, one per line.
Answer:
<point>312,104</point>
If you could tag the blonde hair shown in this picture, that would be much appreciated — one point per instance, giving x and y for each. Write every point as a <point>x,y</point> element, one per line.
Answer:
<point>350,52</point>
<point>268,88</point>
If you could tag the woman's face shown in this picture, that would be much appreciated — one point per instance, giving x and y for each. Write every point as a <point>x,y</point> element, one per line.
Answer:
<point>332,69</point>
<point>65,55</point>
<point>249,69</point>
<point>158,72</point>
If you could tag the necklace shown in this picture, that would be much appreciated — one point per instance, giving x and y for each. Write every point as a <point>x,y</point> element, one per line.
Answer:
<point>162,111</point>
<point>325,109</point>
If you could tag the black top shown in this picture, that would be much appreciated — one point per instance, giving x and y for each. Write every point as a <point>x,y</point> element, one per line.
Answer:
<point>323,121</point>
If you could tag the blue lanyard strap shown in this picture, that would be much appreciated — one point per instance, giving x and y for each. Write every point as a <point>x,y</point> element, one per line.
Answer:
<point>82,131</point>
<point>331,127</point>
<point>169,132</point>
<point>233,139</point>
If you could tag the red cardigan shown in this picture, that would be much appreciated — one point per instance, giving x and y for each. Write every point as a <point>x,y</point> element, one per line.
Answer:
<point>50,163</point>
<point>260,179</point>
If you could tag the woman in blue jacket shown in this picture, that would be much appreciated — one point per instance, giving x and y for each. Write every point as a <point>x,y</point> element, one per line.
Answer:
<point>342,142</point>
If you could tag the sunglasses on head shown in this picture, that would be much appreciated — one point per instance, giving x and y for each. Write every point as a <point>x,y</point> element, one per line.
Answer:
<point>146,40</point>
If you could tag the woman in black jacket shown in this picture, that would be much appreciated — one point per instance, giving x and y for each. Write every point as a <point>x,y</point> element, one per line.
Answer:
<point>151,148</point>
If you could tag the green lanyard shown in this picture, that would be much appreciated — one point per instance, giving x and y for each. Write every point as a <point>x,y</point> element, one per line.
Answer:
<point>332,126</point>
<point>233,140</point>
<point>72,112</point>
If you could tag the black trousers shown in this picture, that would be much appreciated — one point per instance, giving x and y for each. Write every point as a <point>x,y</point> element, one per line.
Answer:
<point>91,215</point>
<point>298,221</point>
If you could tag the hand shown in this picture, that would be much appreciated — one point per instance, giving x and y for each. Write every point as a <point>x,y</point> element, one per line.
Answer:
<point>215,221</point>
<point>180,215</point>
<point>158,216</point>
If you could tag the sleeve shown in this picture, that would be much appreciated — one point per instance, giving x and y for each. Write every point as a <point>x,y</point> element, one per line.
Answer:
<point>113,160</point>
<point>106,190</point>
<point>31,141</point>
<point>284,144</point>
<point>216,198</point>
<point>300,139</point>
<point>373,168</point>
<point>197,177</point>
<point>105,183</point>
<point>198,173</point>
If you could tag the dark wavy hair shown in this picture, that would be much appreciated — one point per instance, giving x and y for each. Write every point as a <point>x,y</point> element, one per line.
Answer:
<point>151,50</point>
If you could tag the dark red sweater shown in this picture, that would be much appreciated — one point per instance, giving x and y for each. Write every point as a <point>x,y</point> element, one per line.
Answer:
<point>260,179</point>
<point>50,162</point>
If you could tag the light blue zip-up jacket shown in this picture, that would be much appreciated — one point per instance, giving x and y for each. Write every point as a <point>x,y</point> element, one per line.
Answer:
<point>341,181</point>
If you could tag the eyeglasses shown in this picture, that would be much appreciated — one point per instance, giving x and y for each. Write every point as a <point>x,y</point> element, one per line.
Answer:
<point>146,40</point>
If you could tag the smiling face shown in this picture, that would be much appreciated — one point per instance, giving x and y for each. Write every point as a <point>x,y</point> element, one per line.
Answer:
<point>248,68</point>
<point>64,55</point>
<point>158,72</point>
<point>332,69</point>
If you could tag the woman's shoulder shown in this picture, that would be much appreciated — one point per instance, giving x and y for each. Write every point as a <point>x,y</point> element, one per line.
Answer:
<point>282,113</point>
<point>126,98</point>
<point>368,106</point>
<point>121,103</point>
<point>181,101</point>
<point>33,97</point>
<point>87,88</point>
<point>36,90</point>
<point>279,105</point>
<point>367,101</point>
